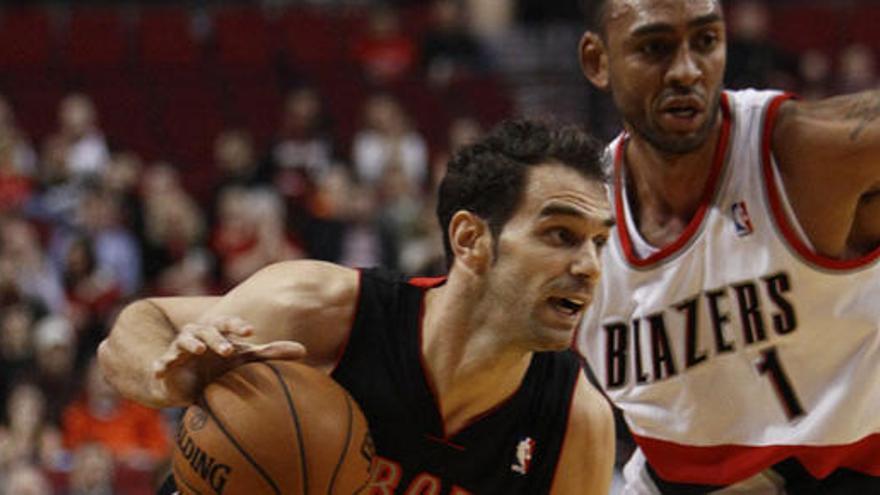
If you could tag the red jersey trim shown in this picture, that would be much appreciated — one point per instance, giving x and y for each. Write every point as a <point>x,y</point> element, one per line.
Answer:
<point>727,464</point>
<point>775,200</point>
<point>427,282</point>
<point>695,223</point>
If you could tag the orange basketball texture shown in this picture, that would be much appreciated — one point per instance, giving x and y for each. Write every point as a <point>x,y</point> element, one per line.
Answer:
<point>273,427</point>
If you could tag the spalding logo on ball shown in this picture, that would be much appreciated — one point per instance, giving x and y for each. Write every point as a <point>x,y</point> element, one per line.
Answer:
<point>274,427</point>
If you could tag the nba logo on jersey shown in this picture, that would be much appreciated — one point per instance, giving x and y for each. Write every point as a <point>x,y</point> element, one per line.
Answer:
<point>523,456</point>
<point>741,220</point>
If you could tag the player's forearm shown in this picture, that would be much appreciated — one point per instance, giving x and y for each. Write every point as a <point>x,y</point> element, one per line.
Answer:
<point>140,335</point>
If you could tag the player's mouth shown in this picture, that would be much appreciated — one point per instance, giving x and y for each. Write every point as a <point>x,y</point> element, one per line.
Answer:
<point>682,114</point>
<point>568,306</point>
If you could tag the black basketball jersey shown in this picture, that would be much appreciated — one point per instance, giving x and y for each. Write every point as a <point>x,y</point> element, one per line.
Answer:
<point>512,449</point>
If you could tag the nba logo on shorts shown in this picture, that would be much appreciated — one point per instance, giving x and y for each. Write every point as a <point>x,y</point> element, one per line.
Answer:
<point>741,220</point>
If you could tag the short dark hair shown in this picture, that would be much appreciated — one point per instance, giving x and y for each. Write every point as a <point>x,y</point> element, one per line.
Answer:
<point>488,177</point>
<point>596,12</point>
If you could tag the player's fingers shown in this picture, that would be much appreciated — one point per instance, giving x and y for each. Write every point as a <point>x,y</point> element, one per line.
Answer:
<point>190,344</point>
<point>273,350</point>
<point>210,335</point>
<point>231,325</point>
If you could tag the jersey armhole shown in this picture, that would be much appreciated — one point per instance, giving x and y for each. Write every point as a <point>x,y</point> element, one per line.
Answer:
<point>354,314</point>
<point>566,436</point>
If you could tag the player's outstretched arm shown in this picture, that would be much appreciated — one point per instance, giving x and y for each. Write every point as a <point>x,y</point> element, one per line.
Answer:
<point>828,153</point>
<point>587,459</point>
<point>161,351</point>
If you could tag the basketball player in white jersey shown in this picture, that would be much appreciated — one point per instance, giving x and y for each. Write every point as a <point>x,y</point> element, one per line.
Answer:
<point>738,321</point>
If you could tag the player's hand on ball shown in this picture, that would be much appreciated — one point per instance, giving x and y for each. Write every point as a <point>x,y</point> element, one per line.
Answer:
<point>206,349</point>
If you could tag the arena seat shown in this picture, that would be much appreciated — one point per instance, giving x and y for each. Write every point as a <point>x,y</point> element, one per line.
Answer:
<point>95,43</point>
<point>165,45</point>
<point>26,41</point>
<point>243,42</point>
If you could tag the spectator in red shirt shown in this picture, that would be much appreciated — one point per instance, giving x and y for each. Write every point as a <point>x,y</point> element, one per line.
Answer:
<point>135,435</point>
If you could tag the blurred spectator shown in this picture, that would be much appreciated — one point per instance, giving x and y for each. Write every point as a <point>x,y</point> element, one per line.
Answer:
<point>116,248</point>
<point>858,69</point>
<point>384,53</point>
<point>19,153</point>
<point>59,193</point>
<point>448,47</point>
<point>122,179</point>
<point>250,233</point>
<point>237,165</point>
<point>304,141</point>
<point>24,478</point>
<point>753,61</point>
<point>16,344</point>
<point>86,149</point>
<point>92,293</point>
<point>55,351</point>
<point>174,226</point>
<point>135,435</point>
<point>815,74</point>
<point>34,275</point>
<point>343,226</point>
<point>421,248</point>
<point>462,131</point>
<point>93,471</point>
<point>388,140</point>
<point>17,162</point>
<point>366,240</point>
<point>27,436</point>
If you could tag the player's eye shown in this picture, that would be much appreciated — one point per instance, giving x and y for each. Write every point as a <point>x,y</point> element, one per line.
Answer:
<point>656,48</point>
<point>562,236</point>
<point>706,41</point>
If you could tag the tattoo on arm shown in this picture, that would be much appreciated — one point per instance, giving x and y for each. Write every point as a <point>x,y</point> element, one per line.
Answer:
<point>865,111</point>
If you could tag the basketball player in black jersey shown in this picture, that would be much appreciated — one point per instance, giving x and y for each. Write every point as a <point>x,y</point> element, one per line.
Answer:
<point>465,380</point>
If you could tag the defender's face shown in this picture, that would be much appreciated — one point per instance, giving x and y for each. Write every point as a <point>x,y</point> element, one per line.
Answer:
<point>665,69</point>
<point>548,256</point>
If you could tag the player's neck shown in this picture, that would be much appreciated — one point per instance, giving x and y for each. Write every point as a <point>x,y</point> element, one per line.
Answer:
<point>471,369</point>
<point>665,190</point>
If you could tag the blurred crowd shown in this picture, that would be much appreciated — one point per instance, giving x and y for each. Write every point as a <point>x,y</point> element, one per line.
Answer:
<point>86,226</point>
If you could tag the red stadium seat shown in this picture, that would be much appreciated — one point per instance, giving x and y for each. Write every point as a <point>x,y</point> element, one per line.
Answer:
<point>243,41</point>
<point>798,26</point>
<point>165,42</point>
<point>189,118</point>
<point>314,42</point>
<point>26,42</point>
<point>255,105</point>
<point>36,106</point>
<point>126,117</point>
<point>862,25</point>
<point>96,41</point>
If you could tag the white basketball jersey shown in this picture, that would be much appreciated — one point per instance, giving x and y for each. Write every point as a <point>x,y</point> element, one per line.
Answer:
<point>737,346</point>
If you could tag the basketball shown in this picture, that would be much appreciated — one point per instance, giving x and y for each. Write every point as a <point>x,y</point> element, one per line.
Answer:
<point>272,427</point>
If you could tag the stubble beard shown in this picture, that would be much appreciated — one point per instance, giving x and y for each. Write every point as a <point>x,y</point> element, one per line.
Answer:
<point>677,145</point>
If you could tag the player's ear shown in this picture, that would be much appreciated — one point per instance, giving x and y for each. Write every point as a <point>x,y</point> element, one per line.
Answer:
<point>594,59</point>
<point>470,240</point>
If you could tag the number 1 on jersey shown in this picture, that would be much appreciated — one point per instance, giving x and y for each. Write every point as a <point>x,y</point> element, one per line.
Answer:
<point>769,365</point>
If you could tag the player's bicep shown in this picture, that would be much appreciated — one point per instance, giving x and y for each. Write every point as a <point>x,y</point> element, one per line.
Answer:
<point>587,458</point>
<point>305,301</point>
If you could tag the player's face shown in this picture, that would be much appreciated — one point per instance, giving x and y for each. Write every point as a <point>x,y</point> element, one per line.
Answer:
<point>548,256</point>
<point>665,69</point>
